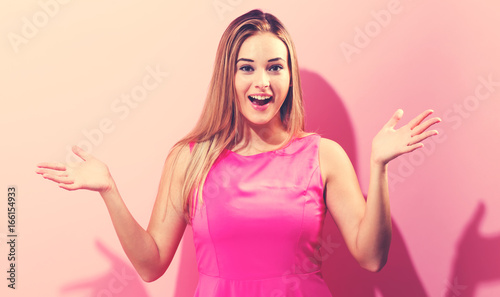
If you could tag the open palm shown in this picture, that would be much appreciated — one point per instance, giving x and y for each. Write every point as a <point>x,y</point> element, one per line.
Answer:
<point>390,143</point>
<point>90,174</point>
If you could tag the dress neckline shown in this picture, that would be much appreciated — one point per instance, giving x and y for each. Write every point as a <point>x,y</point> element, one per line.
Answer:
<point>272,151</point>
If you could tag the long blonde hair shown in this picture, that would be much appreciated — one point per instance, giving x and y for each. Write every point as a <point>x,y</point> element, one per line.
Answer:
<point>220,120</point>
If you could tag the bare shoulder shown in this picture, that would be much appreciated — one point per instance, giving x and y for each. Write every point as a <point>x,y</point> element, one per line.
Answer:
<point>175,166</point>
<point>333,158</point>
<point>171,183</point>
<point>179,157</point>
<point>330,149</point>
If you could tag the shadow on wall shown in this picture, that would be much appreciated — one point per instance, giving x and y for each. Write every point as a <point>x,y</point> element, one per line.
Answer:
<point>120,281</point>
<point>476,259</point>
<point>326,114</point>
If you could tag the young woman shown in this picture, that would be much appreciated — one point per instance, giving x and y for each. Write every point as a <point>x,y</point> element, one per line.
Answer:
<point>252,183</point>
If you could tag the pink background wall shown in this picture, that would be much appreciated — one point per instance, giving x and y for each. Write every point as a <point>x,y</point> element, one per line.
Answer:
<point>67,67</point>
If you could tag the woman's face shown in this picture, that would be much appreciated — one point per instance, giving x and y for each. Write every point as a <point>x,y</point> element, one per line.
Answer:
<point>262,78</point>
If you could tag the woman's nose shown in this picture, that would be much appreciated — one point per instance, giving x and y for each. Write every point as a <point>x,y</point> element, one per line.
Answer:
<point>262,80</point>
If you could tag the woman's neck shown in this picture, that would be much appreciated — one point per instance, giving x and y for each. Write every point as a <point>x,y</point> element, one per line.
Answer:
<point>260,138</point>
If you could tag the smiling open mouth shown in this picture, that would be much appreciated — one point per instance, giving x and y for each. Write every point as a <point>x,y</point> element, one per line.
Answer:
<point>260,100</point>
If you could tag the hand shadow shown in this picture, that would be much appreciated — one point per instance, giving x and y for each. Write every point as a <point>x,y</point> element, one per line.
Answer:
<point>327,115</point>
<point>476,259</point>
<point>121,280</point>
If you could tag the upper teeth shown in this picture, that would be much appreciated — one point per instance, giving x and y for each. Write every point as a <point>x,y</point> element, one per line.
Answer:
<point>259,97</point>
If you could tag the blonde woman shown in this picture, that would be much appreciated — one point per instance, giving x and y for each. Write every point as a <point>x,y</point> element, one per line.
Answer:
<point>252,183</point>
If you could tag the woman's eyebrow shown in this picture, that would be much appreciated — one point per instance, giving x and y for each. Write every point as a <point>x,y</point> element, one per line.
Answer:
<point>276,59</point>
<point>244,59</point>
<point>270,60</point>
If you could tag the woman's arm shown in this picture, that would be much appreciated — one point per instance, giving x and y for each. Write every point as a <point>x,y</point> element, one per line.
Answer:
<point>366,225</point>
<point>151,250</point>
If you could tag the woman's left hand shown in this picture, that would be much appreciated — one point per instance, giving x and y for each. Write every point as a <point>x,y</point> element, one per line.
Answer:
<point>390,143</point>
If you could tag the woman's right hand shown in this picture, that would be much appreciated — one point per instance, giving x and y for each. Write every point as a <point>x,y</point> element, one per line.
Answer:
<point>91,174</point>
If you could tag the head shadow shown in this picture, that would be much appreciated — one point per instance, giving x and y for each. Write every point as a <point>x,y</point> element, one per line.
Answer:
<point>327,115</point>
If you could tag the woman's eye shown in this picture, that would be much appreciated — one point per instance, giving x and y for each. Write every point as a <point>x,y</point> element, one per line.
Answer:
<point>246,68</point>
<point>276,68</point>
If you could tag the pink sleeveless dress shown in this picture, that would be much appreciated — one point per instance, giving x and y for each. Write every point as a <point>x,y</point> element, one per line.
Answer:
<point>257,232</point>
